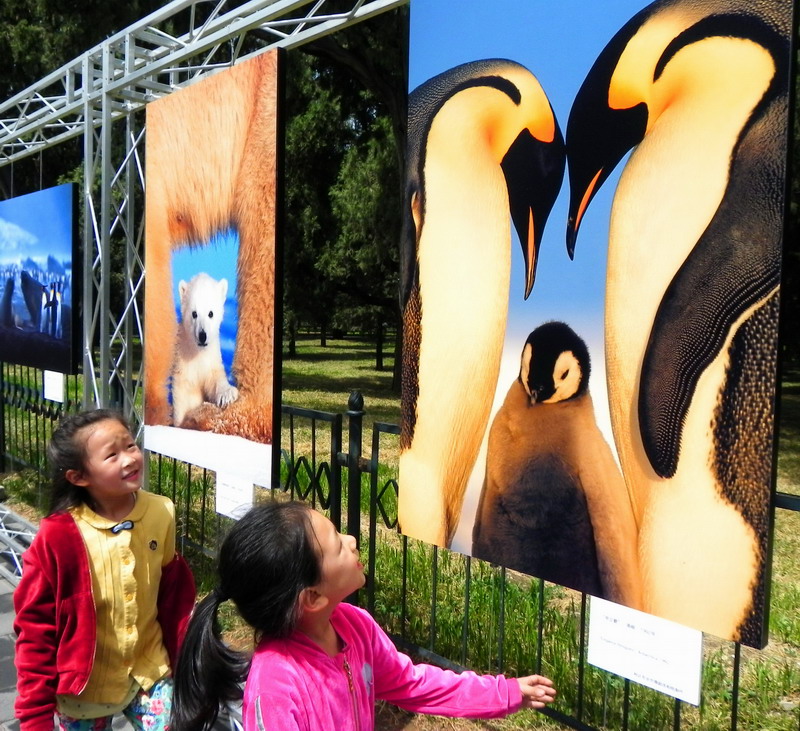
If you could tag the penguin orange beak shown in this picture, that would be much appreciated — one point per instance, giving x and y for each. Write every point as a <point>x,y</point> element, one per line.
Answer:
<point>597,139</point>
<point>575,218</point>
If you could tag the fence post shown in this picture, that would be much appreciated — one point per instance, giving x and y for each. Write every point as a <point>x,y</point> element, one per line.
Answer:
<point>355,413</point>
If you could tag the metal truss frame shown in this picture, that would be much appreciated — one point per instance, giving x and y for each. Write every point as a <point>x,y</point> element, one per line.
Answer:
<point>97,96</point>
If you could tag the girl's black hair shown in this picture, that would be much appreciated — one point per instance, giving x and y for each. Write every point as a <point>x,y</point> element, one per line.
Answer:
<point>67,451</point>
<point>266,560</point>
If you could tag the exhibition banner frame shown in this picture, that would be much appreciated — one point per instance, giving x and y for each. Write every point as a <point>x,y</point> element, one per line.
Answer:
<point>40,280</point>
<point>598,409</point>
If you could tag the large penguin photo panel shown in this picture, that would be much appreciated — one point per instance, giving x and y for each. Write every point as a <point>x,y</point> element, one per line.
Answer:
<point>656,136</point>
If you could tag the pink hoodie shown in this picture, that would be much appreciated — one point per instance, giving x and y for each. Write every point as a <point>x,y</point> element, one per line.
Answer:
<point>294,685</point>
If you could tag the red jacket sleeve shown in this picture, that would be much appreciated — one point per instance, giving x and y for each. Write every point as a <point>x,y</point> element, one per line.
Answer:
<point>176,597</point>
<point>36,645</point>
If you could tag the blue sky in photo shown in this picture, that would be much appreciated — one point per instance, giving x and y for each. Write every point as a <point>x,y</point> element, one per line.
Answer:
<point>558,43</point>
<point>36,225</point>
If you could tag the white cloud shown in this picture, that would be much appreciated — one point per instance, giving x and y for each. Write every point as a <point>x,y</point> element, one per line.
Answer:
<point>14,238</point>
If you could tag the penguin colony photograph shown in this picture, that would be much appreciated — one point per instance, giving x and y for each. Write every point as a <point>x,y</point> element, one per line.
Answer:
<point>36,279</point>
<point>650,485</point>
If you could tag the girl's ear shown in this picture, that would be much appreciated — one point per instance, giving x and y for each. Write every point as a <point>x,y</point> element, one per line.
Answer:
<point>312,601</point>
<point>76,477</point>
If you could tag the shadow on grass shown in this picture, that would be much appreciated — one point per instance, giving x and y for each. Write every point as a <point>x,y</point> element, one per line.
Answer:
<point>371,386</point>
<point>310,351</point>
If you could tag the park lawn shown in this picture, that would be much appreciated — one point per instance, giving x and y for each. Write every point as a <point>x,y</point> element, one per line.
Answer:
<point>323,377</point>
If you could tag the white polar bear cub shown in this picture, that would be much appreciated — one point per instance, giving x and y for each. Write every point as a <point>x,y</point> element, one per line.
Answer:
<point>199,375</point>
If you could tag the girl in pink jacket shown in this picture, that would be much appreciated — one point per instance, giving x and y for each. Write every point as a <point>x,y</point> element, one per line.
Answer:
<point>320,663</point>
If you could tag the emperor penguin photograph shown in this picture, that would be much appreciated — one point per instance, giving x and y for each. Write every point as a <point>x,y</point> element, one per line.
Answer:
<point>484,149</point>
<point>698,89</point>
<point>554,503</point>
<point>676,118</point>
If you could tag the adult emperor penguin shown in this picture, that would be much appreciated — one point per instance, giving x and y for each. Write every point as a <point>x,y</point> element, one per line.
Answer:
<point>554,503</point>
<point>32,292</point>
<point>694,253</point>
<point>483,141</point>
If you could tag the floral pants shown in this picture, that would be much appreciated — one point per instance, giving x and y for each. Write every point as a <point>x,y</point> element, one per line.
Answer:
<point>148,711</point>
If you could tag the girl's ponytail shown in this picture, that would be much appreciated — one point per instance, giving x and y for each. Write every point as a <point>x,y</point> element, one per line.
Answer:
<point>208,673</point>
<point>265,562</point>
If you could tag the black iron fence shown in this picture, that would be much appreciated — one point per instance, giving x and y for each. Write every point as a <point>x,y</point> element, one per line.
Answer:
<point>440,606</point>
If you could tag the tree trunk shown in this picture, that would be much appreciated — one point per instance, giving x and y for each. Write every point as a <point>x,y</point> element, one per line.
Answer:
<point>397,371</point>
<point>292,337</point>
<point>379,342</point>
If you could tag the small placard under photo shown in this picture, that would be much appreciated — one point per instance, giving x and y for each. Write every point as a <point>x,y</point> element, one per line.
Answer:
<point>234,495</point>
<point>54,386</point>
<point>655,652</point>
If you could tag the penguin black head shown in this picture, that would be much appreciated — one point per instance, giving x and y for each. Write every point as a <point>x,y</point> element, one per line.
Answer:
<point>599,136</point>
<point>533,165</point>
<point>555,364</point>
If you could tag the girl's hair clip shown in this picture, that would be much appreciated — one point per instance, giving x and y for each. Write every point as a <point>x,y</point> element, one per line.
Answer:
<point>119,527</point>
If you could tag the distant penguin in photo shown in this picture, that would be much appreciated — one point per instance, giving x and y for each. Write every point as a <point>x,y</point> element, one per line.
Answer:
<point>58,329</point>
<point>33,295</point>
<point>6,310</point>
<point>44,316</point>
<point>554,504</point>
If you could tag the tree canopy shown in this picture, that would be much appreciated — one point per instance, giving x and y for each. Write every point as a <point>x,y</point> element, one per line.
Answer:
<point>345,143</point>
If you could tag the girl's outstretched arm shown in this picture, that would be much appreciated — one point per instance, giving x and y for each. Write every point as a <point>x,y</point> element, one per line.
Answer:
<point>537,691</point>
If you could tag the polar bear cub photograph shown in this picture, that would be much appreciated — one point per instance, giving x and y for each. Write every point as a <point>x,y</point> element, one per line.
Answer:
<point>199,374</point>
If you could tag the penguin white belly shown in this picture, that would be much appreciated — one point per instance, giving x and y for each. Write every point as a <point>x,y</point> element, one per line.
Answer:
<point>683,164</point>
<point>696,551</point>
<point>638,275</point>
<point>456,383</point>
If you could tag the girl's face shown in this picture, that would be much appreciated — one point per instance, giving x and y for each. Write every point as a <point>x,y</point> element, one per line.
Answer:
<point>342,572</point>
<point>112,468</point>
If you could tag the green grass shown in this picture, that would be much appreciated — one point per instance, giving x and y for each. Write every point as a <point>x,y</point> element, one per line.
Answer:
<point>789,435</point>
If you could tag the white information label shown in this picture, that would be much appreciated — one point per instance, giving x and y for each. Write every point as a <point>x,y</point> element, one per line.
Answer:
<point>233,457</point>
<point>234,495</point>
<point>655,652</point>
<point>54,386</point>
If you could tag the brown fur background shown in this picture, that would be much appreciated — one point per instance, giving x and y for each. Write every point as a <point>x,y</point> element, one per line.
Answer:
<point>211,155</point>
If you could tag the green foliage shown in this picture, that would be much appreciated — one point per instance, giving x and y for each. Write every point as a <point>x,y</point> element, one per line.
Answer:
<point>39,36</point>
<point>343,179</point>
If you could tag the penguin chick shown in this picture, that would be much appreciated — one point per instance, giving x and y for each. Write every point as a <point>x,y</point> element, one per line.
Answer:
<point>554,503</point>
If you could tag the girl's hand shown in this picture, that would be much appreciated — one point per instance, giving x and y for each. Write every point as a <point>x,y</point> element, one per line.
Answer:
<point>537,691</point>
